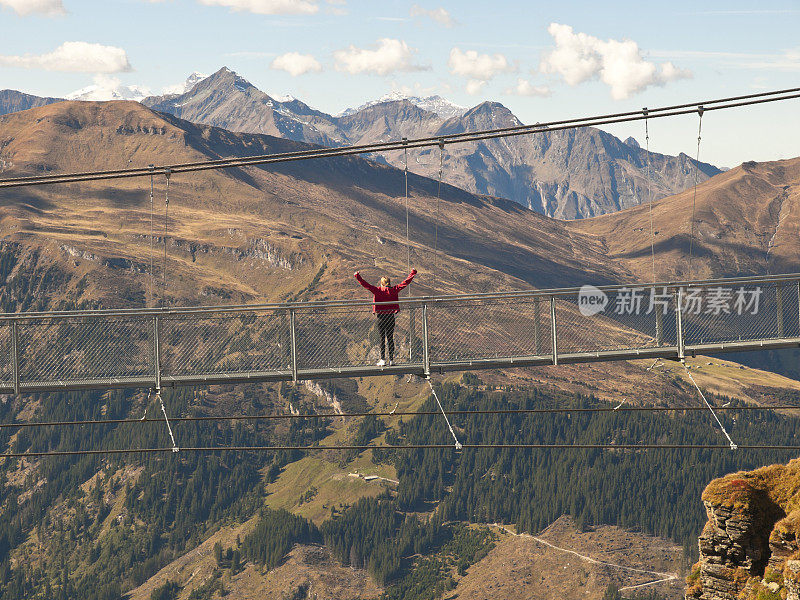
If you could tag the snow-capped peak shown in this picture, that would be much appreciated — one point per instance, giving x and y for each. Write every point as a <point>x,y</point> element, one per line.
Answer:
<point>282,97</point>
<point>435,104</point>
<point>193,80</point>
<point>109,88</point>
<point>440,106</point>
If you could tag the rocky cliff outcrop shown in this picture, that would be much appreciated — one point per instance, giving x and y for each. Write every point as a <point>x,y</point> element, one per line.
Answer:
<point>749,547</point>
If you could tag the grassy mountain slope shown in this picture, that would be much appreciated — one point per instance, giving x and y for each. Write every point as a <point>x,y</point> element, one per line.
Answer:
<point>747,222</point>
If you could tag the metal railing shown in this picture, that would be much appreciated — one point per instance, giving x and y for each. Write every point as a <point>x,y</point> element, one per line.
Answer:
<point>312,340</point>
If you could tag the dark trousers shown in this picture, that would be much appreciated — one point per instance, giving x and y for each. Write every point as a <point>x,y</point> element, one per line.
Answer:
<point>386,333</point>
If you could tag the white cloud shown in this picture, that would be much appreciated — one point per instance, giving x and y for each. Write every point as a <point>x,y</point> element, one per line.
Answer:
<point>526,88</point>
<point>268,7</point>
<point>386,57</point>
<point>106,87</point>
<point>439,15</point>
<point>296,64</point>
<point>48,8</point>
<point>81,57</point>
<point>477,66</point>
<point>474,86</point>
<point>579,57</point>
<point>575,56</point>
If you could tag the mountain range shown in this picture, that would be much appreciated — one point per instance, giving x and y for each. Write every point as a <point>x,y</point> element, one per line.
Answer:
<point>746,218</point>
<point>564,174</point>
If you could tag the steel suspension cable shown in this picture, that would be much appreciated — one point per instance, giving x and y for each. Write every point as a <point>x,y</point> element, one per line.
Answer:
<point>670,111</point>
<point>166,419</point>
<point>466,413</point>
<point>748,99</point>
<point>436,221</point>
<point>211,449</point>
<point>716,418</point>
<point>458,445</point>
<point>405,171</point>
<point>694,194</point>
<point>166,224</point>
<point>152,236</point>
<point>650,194</point>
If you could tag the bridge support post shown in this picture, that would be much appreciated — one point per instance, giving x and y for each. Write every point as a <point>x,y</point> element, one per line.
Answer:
<point>537,313</point>
<point>15,355</point>
<point>157,352</point>
<point>553,334</point>
<point>679,324</point>
<point>779,308</point>
<point>426,353</point>
<point>293,337</point>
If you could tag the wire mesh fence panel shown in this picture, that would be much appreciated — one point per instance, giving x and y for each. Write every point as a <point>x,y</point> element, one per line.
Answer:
<point>489,328</point>
<point>225,343</point>
<point>719,313</point>
<point>105,348</point>
<point>6,367</point>
<point>95,348</point>
<point>340,337</point>
<point>624,319</point>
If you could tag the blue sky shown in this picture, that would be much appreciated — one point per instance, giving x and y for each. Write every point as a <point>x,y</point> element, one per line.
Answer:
<point>544,60</point>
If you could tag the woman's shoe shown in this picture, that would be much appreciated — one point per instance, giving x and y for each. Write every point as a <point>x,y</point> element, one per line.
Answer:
<point>381,363</point>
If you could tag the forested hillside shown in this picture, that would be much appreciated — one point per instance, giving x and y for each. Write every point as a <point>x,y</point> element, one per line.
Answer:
<point>104,524</point>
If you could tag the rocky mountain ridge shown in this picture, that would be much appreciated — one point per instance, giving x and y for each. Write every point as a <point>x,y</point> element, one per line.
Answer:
<point>564,174</point>
<point>750,546</point>
<point>435,104</point>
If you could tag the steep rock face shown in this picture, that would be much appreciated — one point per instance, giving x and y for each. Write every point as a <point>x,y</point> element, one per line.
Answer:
<point>749,546</point>
<point>387,121</point>
<point>229,101</point>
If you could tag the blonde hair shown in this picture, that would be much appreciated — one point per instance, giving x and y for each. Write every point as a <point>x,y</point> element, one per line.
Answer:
<point>385,281</point>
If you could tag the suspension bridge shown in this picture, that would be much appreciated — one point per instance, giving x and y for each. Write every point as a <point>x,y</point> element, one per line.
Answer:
<point>165,347</point>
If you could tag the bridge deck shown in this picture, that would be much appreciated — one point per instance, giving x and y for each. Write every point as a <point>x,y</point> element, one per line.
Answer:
<point>321,340</point>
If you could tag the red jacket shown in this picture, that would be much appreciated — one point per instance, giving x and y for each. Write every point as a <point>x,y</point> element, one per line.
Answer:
<point>386,294</point>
